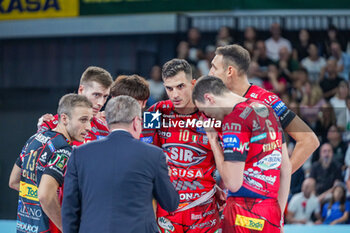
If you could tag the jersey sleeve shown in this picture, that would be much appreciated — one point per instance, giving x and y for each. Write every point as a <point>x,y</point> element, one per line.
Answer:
<point>57,165</point>
<point>284,114</point>
<point>236,144</point>
<point>151,135</point>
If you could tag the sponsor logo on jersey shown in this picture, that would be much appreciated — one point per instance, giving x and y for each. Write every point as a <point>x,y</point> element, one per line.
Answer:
<point>181,185</point>
<point>272,145</point>
<point>252,182</point>
<point>256,126</point>
<point>29,211</point>
<point>279,108</point>
<point>43,157</point>
<point>271,99</point>
<point>254,95</point>
<point>258,137</point>
<point>232,127</point>
<point>210,223</point>
<point>151,120</point>
<point>183,154</point>
<point>186,173</point>
<point>245,113</point>
<point>28,191</point>
<point>147,139</point>
<point>29,175</point>
<point>271,161</point>
<point>260,109</point>
<point>165,224</point>
<point>231,141</point>
<point>199,215</point>
<point>242,147</point>
<point>26,227</point>
<point>60,160</point>
<point>250,223</point>
<point>100,137</point>
<point>164,134</point>
<point>256,174</point>
<point>51,146</point>
<point>41,138</point>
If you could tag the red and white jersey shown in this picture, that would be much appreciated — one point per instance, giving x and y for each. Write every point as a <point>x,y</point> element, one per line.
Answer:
<point>187,149</point>
<point>285,115</point>
<point>99,129</point>
<point>253,134</point>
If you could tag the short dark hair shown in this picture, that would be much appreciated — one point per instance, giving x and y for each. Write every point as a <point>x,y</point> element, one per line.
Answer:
<point>236,56</point>
<point>174,66</point>
<point>131,85</point>
<point>208,84</point>
<point>70,101</point>
<point>96,74</point>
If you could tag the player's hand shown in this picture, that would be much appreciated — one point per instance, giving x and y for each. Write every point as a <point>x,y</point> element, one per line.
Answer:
<point>47,117</point>
<point>212,134</point>
<point>220,197</point>
<point>101,115</point>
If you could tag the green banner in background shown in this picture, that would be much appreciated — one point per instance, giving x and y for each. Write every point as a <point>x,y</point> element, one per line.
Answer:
<point>111,7</point>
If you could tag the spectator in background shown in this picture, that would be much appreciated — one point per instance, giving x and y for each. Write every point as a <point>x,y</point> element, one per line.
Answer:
<point>326,119</point>
<point>260,56</point>
<point>332,36</point>
<point>196,46</point>
<point>254,73</point>
<point>346,133</point>
<point>337,210</point>
<point>276,42</point>
<point>224,37</point>
<point>249,39</point>
<point>313,63</point>
<point>343,60</point>
<point>275,82</point>
<point>311,103</point>
<point>299,79</point>
<point>287,64</point>
<point>156,87</point>
<point>338,103</point>
<point>183,50</point>
<point>330,80</point>
<point>304,205</point>
<point>302,45</point>
<point>325,171</point>
<point>205,64</point>
<point>334,138</point>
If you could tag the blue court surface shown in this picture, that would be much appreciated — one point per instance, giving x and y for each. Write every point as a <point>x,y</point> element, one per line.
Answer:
<point>9,226</point>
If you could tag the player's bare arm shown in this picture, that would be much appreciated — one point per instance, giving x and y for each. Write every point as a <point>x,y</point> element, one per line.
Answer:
<point>229,169</point>
<point>285,177</point>
<point>306,142</point>
<point>47,194</point>
<point>15,177</point>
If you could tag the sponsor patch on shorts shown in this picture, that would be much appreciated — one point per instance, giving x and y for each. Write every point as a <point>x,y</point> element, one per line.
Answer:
<point>250,223</point>
<point>166,224</point>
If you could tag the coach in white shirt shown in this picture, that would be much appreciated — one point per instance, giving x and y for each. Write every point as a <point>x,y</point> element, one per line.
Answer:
<point>276,42</point>
<point>304,204</point>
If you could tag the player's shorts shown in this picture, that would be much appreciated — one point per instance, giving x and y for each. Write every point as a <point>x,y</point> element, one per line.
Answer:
<point>199,219</point>
<point>251,215</point>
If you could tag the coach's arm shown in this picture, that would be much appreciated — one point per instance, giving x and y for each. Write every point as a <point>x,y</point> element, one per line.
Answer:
<point>306,142</point>
<point>163,190</point>
<point>71,208</point>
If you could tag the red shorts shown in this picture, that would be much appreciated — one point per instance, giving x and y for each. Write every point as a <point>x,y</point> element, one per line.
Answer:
<point>251,215</point>
<point>199,219</point>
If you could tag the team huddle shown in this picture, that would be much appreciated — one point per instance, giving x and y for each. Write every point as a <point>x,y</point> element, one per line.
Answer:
<point>240,166</point>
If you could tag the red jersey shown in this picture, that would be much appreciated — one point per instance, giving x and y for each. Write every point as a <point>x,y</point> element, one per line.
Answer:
<point>285,115</point>
<point>99,129</point>
<point>188,151</point>
<point>258,143</point>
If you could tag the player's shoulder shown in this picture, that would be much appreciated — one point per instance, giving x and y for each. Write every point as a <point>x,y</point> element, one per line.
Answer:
<point>261,94</point>
<point>57,142</point>
<point>162,106</point>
